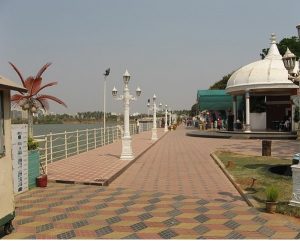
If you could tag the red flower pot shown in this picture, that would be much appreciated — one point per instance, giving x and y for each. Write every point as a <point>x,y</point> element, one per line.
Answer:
<point>41,181</point>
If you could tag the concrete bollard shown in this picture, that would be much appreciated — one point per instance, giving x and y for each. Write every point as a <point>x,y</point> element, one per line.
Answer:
<point>266,147</point>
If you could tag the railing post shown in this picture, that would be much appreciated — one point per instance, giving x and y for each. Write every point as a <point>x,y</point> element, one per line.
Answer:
<point>66,145</point>
<point>46,155</point>
<point>113,134</point>
<point>87,139</point>
<point>95,140</point>
<point>77,142</point>
<point>51,147</point>
<point>107,135</point>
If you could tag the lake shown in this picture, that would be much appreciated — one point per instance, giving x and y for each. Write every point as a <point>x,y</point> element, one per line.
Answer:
<point>44,129</point>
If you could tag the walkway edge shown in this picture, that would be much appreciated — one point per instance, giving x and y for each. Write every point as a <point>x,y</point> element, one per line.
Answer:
<point>116,175</point>
<point>231,179</point>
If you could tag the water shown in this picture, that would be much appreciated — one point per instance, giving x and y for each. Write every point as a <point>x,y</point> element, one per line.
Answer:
<point>43,129</point>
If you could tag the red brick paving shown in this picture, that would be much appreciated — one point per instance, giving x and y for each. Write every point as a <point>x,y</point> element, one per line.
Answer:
<point>174,180</point>
<point>99,163</point>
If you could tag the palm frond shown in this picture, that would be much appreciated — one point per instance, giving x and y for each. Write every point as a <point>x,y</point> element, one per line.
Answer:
<point>28,83</point>
<point>17,97</point>
<point>36,85</point>
<point>50,97</point>
<point>18,72</point>
<point>42,70</point>
<point>43,103</point>
<point>45,86</point>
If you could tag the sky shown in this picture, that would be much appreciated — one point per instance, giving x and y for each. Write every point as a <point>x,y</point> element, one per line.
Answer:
<point>171,48</point>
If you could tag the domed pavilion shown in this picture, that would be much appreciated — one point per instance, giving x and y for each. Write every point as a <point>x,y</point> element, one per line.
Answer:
<point>265,80</point>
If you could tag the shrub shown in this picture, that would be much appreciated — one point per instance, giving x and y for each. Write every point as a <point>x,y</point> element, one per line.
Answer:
<point>32,145</point>
<point>272,194</point>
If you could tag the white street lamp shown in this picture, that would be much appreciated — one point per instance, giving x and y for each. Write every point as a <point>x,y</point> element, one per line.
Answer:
<point>127,153</point>
<point>154,108</point>
<point>170,117</point>
<point>166,118</point>
<point>295,168</point>
<point>107,71</point>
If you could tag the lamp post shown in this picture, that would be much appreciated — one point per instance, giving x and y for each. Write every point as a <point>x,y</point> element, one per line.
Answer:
<point>107,71</point>
<point>127,153</point>
<point>166,118</point>
<point>170,117</point>
<point>290,60</point>
<point>154,108</point>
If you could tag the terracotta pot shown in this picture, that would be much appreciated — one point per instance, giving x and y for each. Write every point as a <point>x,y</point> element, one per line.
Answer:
<point>271,207</point>
<point>42,181</point>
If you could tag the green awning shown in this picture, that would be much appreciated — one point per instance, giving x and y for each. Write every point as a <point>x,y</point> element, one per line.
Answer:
<point>214,100</point>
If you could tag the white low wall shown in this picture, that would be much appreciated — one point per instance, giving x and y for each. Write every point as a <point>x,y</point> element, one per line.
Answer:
<point>258,121</point>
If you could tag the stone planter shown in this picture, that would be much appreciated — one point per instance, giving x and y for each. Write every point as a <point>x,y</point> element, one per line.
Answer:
<point>33,167</point>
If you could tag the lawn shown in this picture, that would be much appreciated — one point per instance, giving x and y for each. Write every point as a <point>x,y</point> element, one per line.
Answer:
<point>253,175</point>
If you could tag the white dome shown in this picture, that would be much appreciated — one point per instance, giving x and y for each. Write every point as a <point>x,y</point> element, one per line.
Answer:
<point>268,73</point>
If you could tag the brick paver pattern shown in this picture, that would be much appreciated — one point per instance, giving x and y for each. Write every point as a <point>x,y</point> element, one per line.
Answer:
<point>175,190</point>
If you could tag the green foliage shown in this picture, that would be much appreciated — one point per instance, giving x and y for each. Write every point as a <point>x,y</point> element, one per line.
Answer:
<point>194,110</point>
<point>221,84</point>
<point>296,115</point>
<point>272,194</point>
<point>32,145</point>
<point>292,43</point>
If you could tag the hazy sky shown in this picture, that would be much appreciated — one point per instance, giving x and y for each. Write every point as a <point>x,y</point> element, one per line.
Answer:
<point>170,47</point>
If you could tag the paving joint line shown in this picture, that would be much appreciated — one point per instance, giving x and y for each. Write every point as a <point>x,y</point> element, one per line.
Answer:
<point>111,179</point>
<point>231,179</point>
<point>106,182</point>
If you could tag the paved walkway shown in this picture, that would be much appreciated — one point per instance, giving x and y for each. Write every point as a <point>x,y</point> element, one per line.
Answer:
<point>100,165</point>
<point>174,190</point>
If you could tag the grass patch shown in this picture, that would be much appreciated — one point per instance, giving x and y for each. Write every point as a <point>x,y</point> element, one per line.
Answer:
<point>253,175</point>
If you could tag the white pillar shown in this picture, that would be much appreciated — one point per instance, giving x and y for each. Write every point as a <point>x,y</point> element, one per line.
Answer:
<point>166,120</point>
<point>154,129</point>
<point>127,153</point>
<point>296,186</point>
<point>247,127</point>
<point>104,107</point>
<point>234,108</point>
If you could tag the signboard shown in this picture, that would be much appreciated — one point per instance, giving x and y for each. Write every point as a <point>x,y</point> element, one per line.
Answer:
<point>20,157</point>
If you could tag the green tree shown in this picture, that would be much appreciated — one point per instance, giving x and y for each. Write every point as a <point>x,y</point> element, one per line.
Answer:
<point>292,43</point>
<point>194,110</point>
<point>221,84</point>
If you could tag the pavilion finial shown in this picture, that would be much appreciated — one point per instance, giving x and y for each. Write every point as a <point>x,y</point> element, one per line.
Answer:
<point>273,38</point>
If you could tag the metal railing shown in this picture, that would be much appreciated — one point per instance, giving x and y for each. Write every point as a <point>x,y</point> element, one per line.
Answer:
<point>57,146</point>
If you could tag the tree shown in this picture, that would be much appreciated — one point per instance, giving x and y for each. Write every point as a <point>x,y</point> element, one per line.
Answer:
<point>33,100</point>
<point>221,84</point>
<point>194,110</point>
<point>292,43</point>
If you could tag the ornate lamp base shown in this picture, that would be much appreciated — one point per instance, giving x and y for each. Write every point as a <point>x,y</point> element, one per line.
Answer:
<point>154,135</point>
<point>296,186</point>
<point>127,153</point>
<point>247,128</point>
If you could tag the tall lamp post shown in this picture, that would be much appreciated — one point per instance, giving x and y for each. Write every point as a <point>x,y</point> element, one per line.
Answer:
<point>107,71</point>
<point>170,117</point>
<point>127,153</point>
<point>154,108</point>
<point>289,60</point>
<point>166,118</point>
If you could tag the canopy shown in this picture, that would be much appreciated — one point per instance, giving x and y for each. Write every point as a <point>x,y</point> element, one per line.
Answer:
<point>214,100</point>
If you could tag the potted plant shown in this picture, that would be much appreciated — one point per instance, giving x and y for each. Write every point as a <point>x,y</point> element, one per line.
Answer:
<point>34,165</point>
<point>272,196</point>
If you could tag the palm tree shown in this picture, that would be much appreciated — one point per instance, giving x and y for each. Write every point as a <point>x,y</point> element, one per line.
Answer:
<point>32,101</point>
